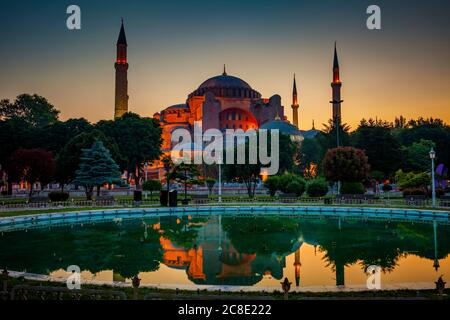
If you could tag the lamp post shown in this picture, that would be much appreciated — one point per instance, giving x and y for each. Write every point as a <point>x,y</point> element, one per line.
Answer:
<point>433,186</point>
<point>220,180</point>
<point>338,144</point>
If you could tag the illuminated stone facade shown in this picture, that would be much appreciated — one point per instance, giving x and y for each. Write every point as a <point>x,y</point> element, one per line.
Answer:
<point>222,102</point>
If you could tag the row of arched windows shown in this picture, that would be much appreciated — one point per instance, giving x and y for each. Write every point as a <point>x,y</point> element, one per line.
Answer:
<point>229,92</point>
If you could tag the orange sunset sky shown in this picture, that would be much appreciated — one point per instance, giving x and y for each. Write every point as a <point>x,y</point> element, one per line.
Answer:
<point>174,46</point>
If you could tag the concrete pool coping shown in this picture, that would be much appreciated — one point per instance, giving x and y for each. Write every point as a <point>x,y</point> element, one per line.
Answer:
<point>229,288</point>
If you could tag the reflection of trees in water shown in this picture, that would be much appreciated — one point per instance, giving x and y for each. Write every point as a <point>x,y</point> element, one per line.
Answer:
<point>106,246</point>
<point>262,235</point>
<point>182,231</point>
<point>134,246</point>
<point>372,242</point>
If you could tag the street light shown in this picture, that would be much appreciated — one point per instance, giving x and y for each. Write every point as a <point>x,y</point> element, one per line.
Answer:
<point>433,186</point>
<point>220,179</point>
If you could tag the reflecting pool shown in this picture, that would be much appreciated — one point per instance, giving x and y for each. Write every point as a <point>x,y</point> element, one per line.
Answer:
<point>259,251</point>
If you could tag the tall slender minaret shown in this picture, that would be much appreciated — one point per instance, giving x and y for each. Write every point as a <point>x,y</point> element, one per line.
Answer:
<point>121,65</point>
<point>295,105</point>
<point>336,85</point>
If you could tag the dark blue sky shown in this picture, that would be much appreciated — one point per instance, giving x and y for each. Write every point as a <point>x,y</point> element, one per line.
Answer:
<point>175,45</point>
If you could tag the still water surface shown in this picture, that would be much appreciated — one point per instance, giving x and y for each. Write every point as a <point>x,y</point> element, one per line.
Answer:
<point>220,250</point>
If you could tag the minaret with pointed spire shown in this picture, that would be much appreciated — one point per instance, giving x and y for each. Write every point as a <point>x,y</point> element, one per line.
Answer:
<point>336,85</point>
<point>224,70</point>
<point>295,105</point>
<point>121,65</point>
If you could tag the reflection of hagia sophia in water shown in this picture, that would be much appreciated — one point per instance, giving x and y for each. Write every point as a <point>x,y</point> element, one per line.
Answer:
<point>215,261</point>
<point>230,250</point>
<point>223,102</point>
<point>216,258</point>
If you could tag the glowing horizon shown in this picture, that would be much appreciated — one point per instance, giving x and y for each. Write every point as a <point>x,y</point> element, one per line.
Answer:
<point>173,47</point>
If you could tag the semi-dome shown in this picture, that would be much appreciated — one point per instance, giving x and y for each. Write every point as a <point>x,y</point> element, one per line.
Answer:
<point>178,106</point>
<point>228,86</point>
<point>285,128</point>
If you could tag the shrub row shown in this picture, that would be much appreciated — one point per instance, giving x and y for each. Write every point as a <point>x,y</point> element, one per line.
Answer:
<point>58,196</point>
<point>292,184</point>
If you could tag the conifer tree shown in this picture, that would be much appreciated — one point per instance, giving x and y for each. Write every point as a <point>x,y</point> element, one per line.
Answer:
<point>96,168</point>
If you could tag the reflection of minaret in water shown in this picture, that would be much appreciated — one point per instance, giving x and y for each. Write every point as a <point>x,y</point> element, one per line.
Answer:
<point>340,274</point>
<point>339,265</point>
<point>436,260</point>
<point>297,265</point>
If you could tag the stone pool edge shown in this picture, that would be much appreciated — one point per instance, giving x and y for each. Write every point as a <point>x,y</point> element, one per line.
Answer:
<point>234,210</point>
<point>409,286</point>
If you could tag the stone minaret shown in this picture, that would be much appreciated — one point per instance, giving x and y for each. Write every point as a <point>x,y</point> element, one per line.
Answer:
<point>336,85</point>
<point>121,65</point>
<point>295,105</point>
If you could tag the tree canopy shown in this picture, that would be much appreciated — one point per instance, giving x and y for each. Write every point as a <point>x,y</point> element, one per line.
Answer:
<point>32,165</point>
<point>379,144</point>
<point>139,141</point>
<point>35,110</point>
<point>346,164</point>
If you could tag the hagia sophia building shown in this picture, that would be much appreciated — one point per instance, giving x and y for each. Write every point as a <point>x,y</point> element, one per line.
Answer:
<point>221,102</point>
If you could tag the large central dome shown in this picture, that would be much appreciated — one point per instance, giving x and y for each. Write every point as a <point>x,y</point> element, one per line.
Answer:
<point>226,86</point>
<point>225,81</point>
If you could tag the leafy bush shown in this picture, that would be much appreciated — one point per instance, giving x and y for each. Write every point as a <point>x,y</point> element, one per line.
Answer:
<point>377,175</point>
<point>151,185</point>
<point>387,188</point>
<point>439,193</point>
<point>345,164</point>
<point>58,196</point>
<point>286,179</point>
<point>296,187</point>
<point>414,192</point>
<point>210,182</point>
<point>317,187</point>
<point>272,184</point>
<point>352,188</point>
<point>412,180</point>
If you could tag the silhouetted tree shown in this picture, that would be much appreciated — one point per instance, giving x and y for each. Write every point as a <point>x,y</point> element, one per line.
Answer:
<point>31,165</point>
<point>345,164</point>
<point>33,109</point>
<point>139,140</point>
<point>379,144</point>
